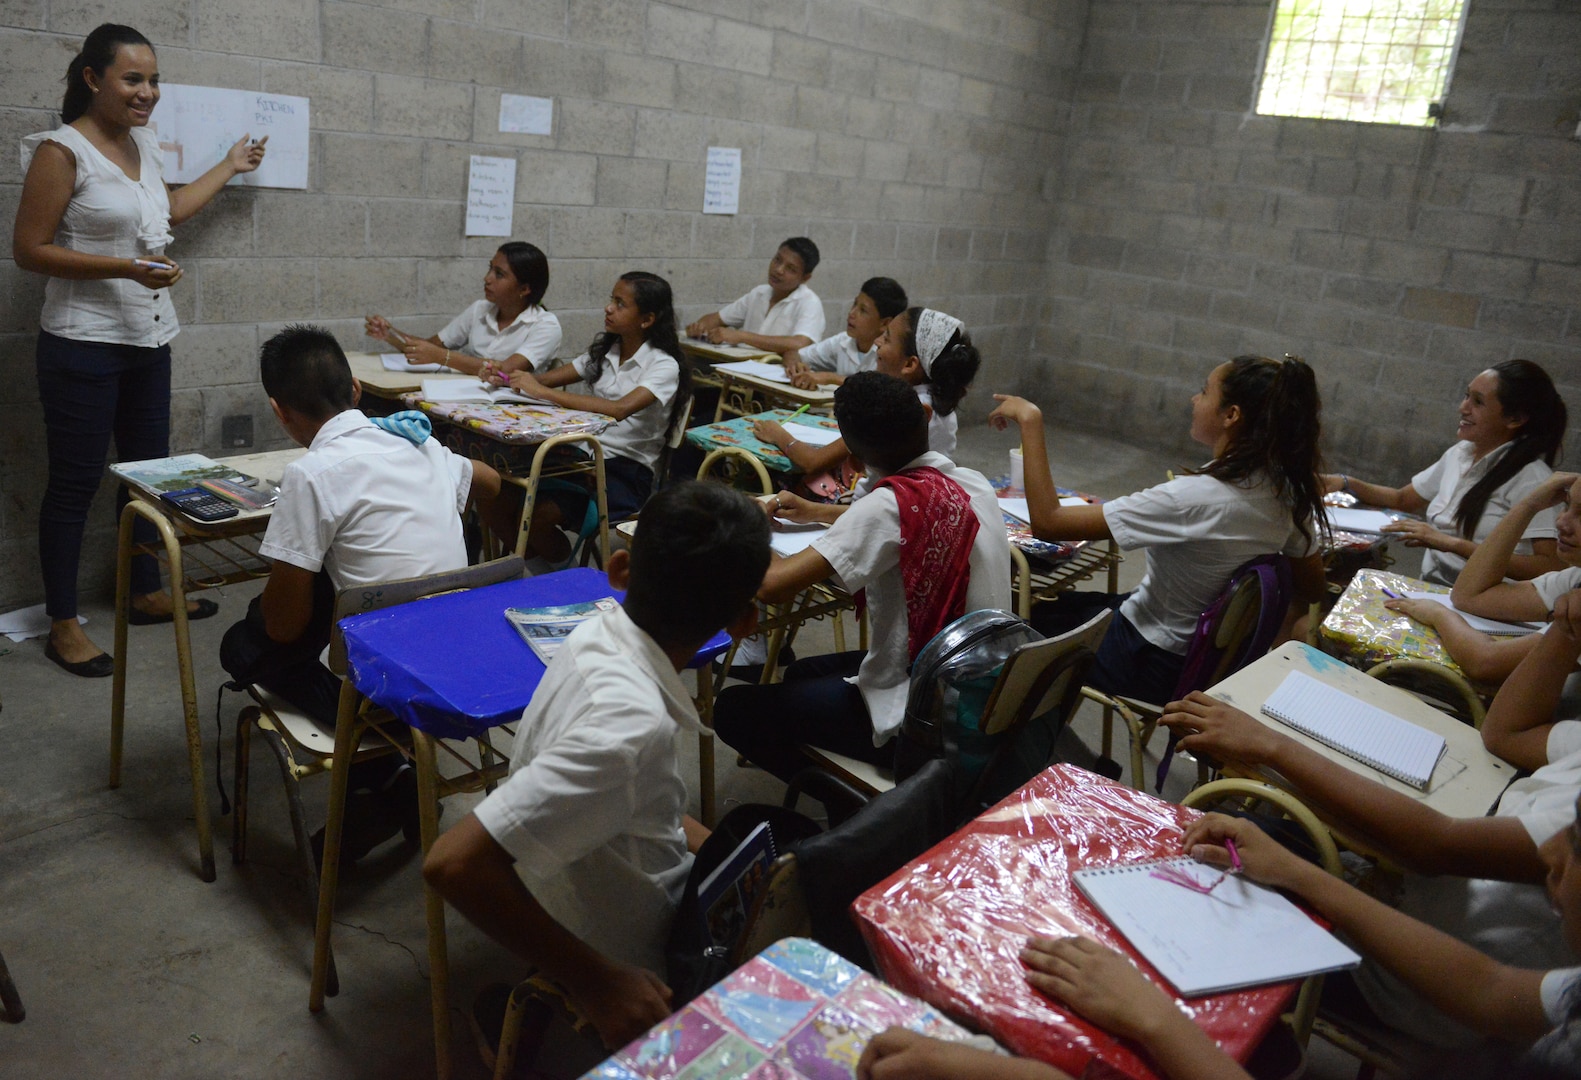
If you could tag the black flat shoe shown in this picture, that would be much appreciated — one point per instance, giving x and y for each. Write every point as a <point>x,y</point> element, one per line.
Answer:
<point>95,667</point>
<point>204,609</point>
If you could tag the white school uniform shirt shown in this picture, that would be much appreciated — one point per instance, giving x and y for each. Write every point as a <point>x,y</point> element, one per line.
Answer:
<point>369,506</point>
<point>840,355</point>
<point>863,546</point>
<point>1445,482</point>
<point>592,808</point>
<point>1196,530</point>
<point>110,214</point>
<point>1510,921</point>
<point>1554,584</point>
<point>800,313</point>
<point>535,334</point>
<point>942,430</point>
<point>640,436</point>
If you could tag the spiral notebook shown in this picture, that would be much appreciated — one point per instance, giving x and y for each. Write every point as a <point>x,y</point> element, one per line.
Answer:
<point>1373,736</point>
<point>1221,933</point>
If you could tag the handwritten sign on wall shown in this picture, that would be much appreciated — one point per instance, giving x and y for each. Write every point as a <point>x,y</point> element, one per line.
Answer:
<point>491,194</point>
<point>722,182</point>
<point>197,125</point>
<point>522,114</point>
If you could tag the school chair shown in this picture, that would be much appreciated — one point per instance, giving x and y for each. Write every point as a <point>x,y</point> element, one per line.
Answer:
<point>1254,796</point>
<point>304,747</point>
<point>734,467</point>
<point>1040,678</point>
<point>1441,687</point>
<point>10,1000</point>
<point>1236,629</point>
<point>547,471</point>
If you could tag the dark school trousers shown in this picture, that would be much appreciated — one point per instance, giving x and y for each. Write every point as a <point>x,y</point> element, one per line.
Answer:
<point>1127,663</point>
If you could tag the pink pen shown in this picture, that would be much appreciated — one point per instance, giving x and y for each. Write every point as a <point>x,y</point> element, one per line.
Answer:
<point>1235,856</point>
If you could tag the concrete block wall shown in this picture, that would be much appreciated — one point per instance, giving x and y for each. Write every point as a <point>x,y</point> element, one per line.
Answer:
<point>913,139</point>
<point>1398,261</point>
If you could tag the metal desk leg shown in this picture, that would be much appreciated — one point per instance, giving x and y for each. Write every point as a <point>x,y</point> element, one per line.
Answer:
<point>705,745</point>
<point>346,738</point>
<point>189,693</point>
<point>1021,575</point>
<point>438,954</point>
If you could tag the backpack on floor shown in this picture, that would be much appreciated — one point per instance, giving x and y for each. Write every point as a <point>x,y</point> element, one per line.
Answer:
<point>951,681</point>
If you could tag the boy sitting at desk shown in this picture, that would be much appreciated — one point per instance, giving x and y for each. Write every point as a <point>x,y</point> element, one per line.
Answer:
<point>1491,893</point>
<point>577,861</point>
<point>370,501</point>
<point>834,359</point>
<point>778,317</point>
<point>927,542</point>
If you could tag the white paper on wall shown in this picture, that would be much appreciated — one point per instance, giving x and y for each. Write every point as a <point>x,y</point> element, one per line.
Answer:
<point>722,184</point>
<point>491,193</point>
<point>523,115</point>
<point>197,126</point>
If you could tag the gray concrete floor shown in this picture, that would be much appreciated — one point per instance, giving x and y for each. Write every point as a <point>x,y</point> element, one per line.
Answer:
<point>129,965</point>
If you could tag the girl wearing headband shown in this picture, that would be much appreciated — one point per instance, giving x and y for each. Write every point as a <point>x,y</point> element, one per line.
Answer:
<point>1259,495</point>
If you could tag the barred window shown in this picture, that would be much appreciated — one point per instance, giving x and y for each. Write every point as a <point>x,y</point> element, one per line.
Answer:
<point>1376,61</point>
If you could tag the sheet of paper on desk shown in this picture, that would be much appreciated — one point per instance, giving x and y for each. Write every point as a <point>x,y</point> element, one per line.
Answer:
<point>757,369</point>
<point>1365,521</point>
<point>812,436</point>
<point>789,537</point>
<point>1017,508</point>
<point>1477,622</point>
<point>394,361</point>
<point>452,391</point>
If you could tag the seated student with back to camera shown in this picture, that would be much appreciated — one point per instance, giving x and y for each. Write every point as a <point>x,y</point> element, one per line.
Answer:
<point>928,544</point>
<point>507,330</point>
<point>1479,878</point>
<point>1258,496</point>
<point>777,317</point>
<point>834,359</point>
<point>636,374</point>
<point>370,501</point>
<point>577,861</point>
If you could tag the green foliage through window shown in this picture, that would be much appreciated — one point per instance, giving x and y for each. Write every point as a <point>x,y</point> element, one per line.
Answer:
<point>1377,61</point>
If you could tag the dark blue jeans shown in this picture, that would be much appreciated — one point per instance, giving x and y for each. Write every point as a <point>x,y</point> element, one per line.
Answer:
<point>1127,663</point>
<point>91,391</point>
<point>814,705</point>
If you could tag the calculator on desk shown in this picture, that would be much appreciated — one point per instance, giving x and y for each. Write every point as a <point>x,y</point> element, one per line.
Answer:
<point>200,504</point>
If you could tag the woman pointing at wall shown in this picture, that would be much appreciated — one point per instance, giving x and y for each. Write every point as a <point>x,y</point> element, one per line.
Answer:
<point>95,216</point>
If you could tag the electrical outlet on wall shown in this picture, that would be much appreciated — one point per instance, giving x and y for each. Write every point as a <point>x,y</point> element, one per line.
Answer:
<point>236,431</point>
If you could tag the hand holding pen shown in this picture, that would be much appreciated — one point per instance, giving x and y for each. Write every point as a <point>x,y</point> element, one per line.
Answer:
<point>157,273</point>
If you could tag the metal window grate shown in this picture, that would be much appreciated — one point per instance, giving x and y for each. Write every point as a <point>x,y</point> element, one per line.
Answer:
<point>1376,61</point>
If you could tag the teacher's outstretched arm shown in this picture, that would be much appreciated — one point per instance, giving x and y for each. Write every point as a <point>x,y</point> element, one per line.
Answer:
<point>245,156</point>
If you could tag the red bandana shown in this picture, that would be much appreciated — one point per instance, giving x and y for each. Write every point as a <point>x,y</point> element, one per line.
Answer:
<point>937,530</point>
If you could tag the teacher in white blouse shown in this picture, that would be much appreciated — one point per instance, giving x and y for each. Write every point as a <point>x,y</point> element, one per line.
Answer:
<point>95,216</point>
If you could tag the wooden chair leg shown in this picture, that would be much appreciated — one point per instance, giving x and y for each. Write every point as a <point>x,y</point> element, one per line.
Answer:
<point>304,846</point>
<point>9,998</point>
<point>438,953</point>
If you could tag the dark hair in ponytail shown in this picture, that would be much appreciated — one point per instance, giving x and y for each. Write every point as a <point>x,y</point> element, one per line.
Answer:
<point>1281,417</point>
<point>530,267</point>
<point>98,53</point>
<point>1525,391</point>
<point>653,297</point>
<point>952,371</point>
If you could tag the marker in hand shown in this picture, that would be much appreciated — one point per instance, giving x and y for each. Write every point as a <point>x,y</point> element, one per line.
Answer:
<point>1390,593</point>
<point>1235,856</point>
<point>149,264</point>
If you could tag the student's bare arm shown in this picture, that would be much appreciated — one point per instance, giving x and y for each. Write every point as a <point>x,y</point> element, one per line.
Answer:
<point>1050,520</point>
<point>1480,588</point>
<point>1468,985</point>
<point>899,1054</point>
<point>701,327</point>
<point>546,386</point>
<point>1522,713</point>
<point>469,868</point>
<point>1416,836</point>
<point>787,577</point>
<point>1483,657</point>
<point>287,602</point>
<point>727,335</point>
<point>1400,498</point>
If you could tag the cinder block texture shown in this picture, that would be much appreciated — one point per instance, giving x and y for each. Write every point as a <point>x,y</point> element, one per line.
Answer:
<point>1398,261</point>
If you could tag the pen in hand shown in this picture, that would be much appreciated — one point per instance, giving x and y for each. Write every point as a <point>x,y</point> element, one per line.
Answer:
<point>1235,856</point>
<point>797,413</point>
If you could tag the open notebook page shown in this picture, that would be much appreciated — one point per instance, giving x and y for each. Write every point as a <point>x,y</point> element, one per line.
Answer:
<point>1373,736</point>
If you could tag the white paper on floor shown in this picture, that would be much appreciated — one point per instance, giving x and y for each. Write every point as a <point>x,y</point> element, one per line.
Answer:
<point>30,622</point>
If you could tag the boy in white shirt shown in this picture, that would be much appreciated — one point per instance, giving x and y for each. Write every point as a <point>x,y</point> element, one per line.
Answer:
<point>927,542</point>
<point>1480,879</point>
<point>831,361</point>
<point>778,317</point>
<point>577,861</point>
<point>370,501</point>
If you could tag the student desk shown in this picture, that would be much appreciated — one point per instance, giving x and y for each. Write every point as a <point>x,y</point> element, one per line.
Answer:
<point>744,395</point>
<point>736,433</point>
<point>1060,566</point>
<point>805,1011</point>
<point>223,552</point>
<point>948,927</point>
<point>388,386</point>
<point>393,661</point>
<point>1363,632</point>
<point>1468,779</point>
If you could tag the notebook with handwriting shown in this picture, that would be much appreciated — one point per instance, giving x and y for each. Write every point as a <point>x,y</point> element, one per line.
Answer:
<point>1373,736</point>
<point>1209,932</point>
